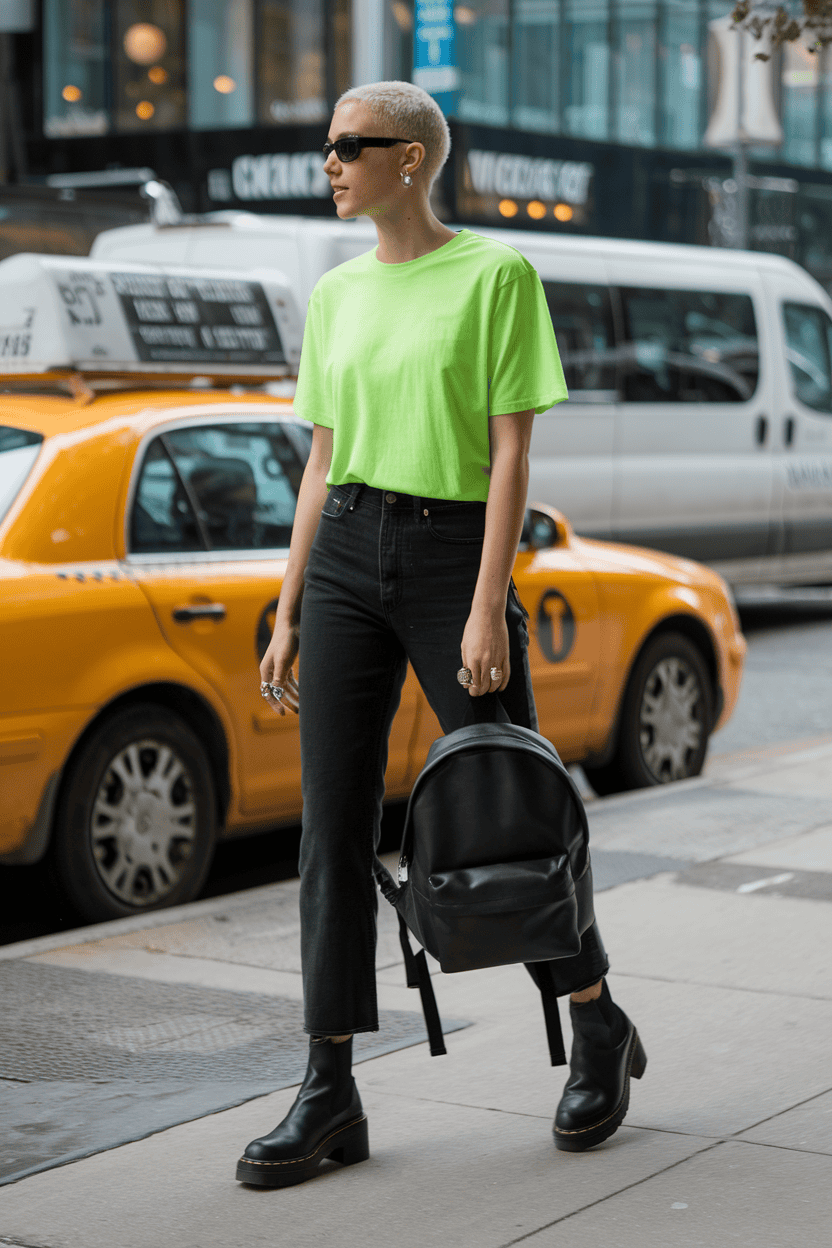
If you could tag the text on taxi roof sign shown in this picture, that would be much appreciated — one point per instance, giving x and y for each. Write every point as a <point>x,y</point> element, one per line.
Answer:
<point>58,312</point>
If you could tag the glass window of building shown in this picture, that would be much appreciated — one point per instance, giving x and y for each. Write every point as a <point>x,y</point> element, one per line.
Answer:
<point>586,61</point>
<point>799,104</point>
<point>220,63</point>
<point>635,73</point>
<point>76,55</point>
<point>149,64</point>
<point>291,51</point>
<point>826,108</point>
<point>535,69</point>
<point>482,38</point>
<point>680,74</point>
<point>398,40</point>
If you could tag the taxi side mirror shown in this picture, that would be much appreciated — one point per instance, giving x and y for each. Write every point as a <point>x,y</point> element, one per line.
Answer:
<point>544,530</point>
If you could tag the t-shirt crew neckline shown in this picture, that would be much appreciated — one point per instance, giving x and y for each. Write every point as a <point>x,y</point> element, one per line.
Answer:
<point>410,264</point>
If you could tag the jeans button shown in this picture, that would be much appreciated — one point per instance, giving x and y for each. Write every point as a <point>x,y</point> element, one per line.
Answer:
<point>390,498</point>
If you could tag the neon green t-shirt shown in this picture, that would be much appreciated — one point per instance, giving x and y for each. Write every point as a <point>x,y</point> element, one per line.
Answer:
<point>405,363</point>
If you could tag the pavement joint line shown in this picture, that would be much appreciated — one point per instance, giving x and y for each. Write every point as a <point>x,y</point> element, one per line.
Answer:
<point>618,1192</point>
<point>771,1117</point>
<point>438,1100</point>
<point>701,983</point>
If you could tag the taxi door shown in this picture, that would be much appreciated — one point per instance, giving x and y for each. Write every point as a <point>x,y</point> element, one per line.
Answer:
<point>208,536</point>
<point>564,638</point>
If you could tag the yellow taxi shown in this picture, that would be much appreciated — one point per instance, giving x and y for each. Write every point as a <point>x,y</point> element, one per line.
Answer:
<point>144,532</point>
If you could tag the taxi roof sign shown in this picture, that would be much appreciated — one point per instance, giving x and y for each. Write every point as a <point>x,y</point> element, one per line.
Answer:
<point>99,317</point>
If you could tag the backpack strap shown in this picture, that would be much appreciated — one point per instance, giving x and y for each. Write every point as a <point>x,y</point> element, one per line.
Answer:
<point>415,965</point>
<point>551,1013</point>
<point>418,976</point>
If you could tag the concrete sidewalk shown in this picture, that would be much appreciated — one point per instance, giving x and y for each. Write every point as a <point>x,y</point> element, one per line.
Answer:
<point>715,907</point>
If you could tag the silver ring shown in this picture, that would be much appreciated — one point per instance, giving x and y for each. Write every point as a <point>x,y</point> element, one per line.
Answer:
<point>276,691</point>
<point>465,676</point>
<point>496,673</point>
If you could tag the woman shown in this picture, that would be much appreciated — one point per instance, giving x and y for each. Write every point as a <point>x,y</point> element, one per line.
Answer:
<point>423,365</point>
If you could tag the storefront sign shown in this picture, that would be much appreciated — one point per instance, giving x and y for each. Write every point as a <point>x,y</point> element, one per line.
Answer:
<point>529,177</point>
<point>275,175</point>
<point>434,52</point>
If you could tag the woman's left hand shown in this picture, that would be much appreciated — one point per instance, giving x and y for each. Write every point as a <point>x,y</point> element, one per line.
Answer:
<point>485,646</point>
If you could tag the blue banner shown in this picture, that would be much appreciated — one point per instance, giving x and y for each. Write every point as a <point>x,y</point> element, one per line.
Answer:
<point>434,52</point>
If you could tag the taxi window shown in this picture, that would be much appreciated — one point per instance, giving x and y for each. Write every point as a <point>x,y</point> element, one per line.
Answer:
<point>582,319</point>
<point>18,451</point>
<point>243,479</point>
<point>163,518</point>
<point>808,349</point>
<point>687,346</point>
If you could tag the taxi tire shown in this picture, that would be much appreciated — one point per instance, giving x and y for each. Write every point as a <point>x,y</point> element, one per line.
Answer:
<point>627,769</point>
<point>71,861</point>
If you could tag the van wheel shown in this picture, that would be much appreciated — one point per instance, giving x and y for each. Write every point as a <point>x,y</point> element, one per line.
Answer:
<point>136,821</point>
<point>666,719</point>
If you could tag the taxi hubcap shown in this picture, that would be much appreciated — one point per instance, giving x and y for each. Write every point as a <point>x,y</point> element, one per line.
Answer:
<point>143,823</point>
<point>669,724</point>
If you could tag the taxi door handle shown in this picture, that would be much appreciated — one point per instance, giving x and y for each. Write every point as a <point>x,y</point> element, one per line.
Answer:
<point>788,430</point>
<point>761,430</point>
<point>199,611</point>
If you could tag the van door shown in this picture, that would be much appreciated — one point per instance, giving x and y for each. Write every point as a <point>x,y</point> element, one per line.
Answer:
<point>803,436</point>
<point>694,461</point>
<point>571,460</point>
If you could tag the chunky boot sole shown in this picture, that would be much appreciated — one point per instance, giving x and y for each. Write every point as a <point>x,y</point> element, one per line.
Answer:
<point>596,1132</point>
<point>348,1144</point>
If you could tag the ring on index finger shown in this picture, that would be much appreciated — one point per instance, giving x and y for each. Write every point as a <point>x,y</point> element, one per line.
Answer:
<point>465,676</point>
<point>276,691</point>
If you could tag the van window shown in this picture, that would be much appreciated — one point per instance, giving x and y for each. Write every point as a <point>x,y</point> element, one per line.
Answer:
<point>582,317</point>
<point>687,346</point>
<point>808,350</point>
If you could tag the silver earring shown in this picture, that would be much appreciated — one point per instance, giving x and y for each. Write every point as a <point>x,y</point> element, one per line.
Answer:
<point>407,180</point>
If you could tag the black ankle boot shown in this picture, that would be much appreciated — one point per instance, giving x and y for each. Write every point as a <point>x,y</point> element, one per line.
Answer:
<point>606,1051</point>
<point>326,1120</point>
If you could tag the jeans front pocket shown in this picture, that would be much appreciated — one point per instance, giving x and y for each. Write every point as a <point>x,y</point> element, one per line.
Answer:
<point>337,502</point>
<point>460,524</point>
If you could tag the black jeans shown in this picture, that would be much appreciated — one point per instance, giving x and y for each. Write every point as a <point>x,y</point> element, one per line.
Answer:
<point>390,578</point>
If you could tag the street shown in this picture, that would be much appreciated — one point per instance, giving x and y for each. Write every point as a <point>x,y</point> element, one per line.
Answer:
<point>784,699</point>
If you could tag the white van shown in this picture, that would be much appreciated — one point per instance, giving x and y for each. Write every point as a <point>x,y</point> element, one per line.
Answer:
<point>700,412</point>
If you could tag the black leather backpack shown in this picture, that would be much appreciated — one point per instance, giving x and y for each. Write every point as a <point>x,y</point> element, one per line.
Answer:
<point>494,865</point>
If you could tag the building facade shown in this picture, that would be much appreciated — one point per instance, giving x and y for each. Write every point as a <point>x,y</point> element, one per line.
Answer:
<point>569,115</point>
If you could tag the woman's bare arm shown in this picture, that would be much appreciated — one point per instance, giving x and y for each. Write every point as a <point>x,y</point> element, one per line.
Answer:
<point>485,640</point>
<point>276,666</point>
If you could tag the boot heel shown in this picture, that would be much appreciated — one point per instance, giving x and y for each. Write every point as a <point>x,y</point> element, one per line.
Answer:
<point>639,1062</point>
<point>353,1144</point>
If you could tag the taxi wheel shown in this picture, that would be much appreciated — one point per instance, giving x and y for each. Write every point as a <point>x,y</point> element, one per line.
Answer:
<point>136,822</point>
<point>666,719</point>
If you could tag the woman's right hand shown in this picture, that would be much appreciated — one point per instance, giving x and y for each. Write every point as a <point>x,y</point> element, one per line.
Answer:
<point>276,667</point>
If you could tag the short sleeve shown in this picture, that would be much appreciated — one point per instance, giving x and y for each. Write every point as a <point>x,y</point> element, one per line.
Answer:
<point>524,368</point>
<point>311,401</point>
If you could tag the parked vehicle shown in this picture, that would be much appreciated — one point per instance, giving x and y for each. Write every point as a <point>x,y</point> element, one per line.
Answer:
<point>144,533</point>
<point>700,413</point>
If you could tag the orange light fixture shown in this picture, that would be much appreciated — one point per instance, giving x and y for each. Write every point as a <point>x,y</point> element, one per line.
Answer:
<point>507,208</point>
<point>535,209</point>
<point>71,94</point>
<point>563,212</point>
<point>224,84</point>
<point>145,43</point>
<point>144,110</point>
<point>157,75</point>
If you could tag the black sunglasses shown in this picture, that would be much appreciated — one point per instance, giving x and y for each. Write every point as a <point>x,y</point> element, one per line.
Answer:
<point>349,149</point>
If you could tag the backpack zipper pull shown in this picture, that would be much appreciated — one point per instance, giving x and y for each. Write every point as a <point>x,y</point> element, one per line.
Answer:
<point>402,871</point>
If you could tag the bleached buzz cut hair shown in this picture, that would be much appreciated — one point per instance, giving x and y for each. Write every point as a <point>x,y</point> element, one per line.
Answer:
<point>407,111</point>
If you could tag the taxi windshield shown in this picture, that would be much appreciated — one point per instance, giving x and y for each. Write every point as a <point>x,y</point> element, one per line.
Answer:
<point>18,451</point>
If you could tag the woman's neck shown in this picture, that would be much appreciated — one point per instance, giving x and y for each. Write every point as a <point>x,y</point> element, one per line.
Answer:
<point>414,232</point>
